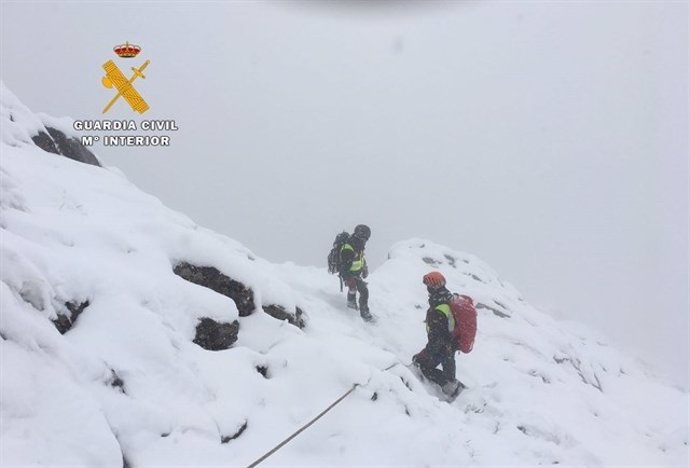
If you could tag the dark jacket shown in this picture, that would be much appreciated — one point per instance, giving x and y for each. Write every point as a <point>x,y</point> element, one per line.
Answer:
<point>347,256</point>
<point>438,334</point>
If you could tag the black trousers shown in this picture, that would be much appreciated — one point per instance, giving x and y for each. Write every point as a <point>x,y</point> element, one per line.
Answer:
<point>356,284</point>
<point>429,361</point>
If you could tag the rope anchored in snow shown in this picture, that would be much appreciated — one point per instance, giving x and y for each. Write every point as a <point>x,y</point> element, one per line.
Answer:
<point>296,433</point>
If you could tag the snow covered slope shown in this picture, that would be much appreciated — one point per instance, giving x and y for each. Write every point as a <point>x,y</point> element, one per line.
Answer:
<point>100,367</point>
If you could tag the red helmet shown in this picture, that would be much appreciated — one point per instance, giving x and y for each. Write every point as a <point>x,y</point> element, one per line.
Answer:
<point>434,279</point>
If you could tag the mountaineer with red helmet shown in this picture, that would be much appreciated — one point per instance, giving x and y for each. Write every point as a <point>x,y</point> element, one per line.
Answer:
<point>441,347</point>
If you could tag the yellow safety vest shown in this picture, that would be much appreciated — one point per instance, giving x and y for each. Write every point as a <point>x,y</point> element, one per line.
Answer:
<point>444,309</point>
<point>357,263</point>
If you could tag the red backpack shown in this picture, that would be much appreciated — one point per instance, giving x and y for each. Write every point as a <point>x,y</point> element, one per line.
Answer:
<point>465,317</point>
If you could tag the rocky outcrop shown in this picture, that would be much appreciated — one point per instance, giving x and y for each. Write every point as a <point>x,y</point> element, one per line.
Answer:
<point>22,127</point>
<point>279,312</point>
<point>65,321</point>
<point>240,430</point>
<point>216,336</point>
<point>212,278</point>
<point>494,310</point>
<point>115,381</point>
<point>243,296</point>
<point>57,142</point>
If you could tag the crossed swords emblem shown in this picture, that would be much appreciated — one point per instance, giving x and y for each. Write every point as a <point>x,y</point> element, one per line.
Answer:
<point>115,78</point>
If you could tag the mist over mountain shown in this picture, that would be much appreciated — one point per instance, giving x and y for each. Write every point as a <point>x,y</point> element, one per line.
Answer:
<point>131,336</point>
<point>548,138</point>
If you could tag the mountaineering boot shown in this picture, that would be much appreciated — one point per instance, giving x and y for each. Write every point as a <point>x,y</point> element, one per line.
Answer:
<point>452,388</point>
<point>352,300</point>
<point>366,315</point>
<point>415,361</point>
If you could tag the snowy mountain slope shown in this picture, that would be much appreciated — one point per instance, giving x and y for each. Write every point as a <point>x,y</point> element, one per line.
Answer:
<point>22,127</point>
<point>539,392</point>
<point>126,384</point>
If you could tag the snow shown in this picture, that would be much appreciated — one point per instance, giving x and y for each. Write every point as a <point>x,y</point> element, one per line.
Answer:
<point>540,391</point>
<point>19,124</point>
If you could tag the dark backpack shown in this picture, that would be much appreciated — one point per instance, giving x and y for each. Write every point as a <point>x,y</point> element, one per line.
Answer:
<point>465,316</point>
<point>334,254</point>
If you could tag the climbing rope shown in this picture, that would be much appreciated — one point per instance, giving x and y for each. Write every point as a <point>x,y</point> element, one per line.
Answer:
<point>278,447</point>
<point>296,433</point>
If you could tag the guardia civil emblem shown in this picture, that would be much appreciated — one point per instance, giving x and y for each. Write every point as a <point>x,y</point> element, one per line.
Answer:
<point>114,78</point>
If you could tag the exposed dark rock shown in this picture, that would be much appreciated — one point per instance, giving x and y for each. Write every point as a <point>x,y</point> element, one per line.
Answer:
<point>375,396</point>
<point>279,312</point>
<point>216,336</point>
<point>474,408</point>
<point>72,148</point>
<point>475,277</point>
<point>43,141</point>
<point>577,365</point>
<point>451,260</point>
<point>116,382</point>
<point>212,278</point>
<point>430,261</point>
<point>57,142</point>
<point>63,324</point>
<point>495,311</point>
<point>226,439</point>
<point>65,321</point>
<point>597,385</point>
<point>263,370</point>
<point>535,373</point>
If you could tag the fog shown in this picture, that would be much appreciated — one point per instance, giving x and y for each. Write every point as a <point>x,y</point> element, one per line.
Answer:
<point>549,139</point>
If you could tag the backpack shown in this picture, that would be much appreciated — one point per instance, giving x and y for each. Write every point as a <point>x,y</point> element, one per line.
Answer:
<point>465,316</point>
<point>334,254</point>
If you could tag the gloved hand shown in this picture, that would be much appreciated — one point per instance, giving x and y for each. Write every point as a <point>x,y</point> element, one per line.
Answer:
<point>365,271</point>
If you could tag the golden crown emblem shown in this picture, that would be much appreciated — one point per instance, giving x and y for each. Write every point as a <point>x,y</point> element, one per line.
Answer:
<point>127,50</point>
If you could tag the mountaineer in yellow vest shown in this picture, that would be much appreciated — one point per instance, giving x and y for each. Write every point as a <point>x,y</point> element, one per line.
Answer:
<point>440,348</point>
<point>353,269</point>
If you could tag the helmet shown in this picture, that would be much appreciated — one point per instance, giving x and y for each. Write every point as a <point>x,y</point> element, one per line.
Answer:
<point>362,231</point>
<point>434,279</point>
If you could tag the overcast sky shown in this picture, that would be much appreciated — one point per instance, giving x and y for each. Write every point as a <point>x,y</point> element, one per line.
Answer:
<point>549,139</point>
